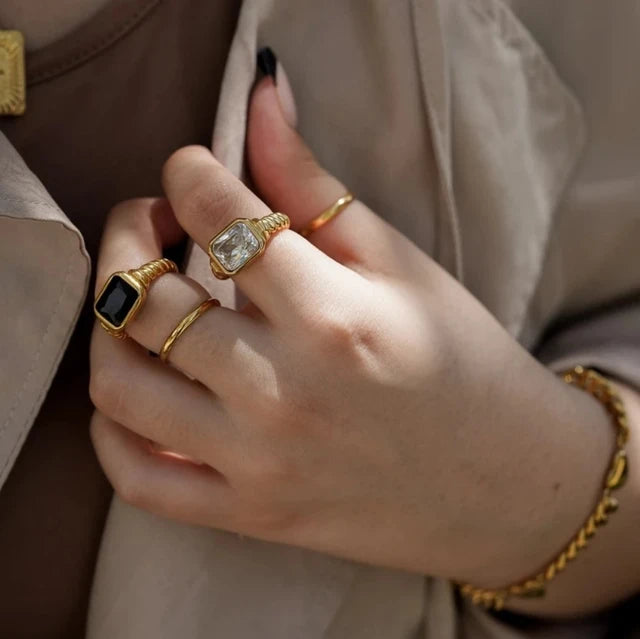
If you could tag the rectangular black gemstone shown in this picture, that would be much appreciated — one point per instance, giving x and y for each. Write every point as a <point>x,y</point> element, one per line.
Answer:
<point>116,301</point>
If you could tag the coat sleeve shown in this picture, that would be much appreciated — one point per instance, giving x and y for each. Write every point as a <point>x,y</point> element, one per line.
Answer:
<point>608,340</point>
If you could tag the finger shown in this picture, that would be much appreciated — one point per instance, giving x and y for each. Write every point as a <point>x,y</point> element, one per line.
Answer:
<point>206,197</point>
<point>291,180</point>
<point>195,494</point>
<point>135,233</point>
<point>159,403</point>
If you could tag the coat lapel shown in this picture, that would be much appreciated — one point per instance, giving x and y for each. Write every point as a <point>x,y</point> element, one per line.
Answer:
<point>42,289</point>
<point>507,134</point>
<point>434,73</point>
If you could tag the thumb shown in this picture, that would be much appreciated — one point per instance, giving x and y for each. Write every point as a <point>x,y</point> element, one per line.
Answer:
<point>289,178</point>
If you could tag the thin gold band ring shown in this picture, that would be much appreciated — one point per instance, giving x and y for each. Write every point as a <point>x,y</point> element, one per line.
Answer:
<point>183,325</point>
<point>124,293</point>
<point>327,215</point>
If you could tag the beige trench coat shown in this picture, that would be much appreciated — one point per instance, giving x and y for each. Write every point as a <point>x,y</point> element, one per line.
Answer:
<point>507,152</point>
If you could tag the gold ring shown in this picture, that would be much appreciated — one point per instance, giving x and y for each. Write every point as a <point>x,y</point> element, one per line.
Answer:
<point>241,242</point>
<point>328,214</point>
<point>124,293</point>
<point>183,325</point>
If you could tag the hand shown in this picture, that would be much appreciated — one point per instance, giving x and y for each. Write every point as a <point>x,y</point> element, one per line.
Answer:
<point>364,404</point>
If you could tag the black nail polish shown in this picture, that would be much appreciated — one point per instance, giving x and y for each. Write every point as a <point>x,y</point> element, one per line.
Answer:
<point>267,62</point>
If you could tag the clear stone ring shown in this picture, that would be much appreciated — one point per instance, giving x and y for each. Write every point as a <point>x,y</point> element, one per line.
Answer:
<point>241,242</point>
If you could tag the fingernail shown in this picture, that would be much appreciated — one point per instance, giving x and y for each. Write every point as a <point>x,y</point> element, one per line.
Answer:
<point>286,99</point>
<point>268,63</point>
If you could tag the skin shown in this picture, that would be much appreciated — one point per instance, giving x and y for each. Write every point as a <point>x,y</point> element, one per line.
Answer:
<point>363,403</point>
<point>452,453</point>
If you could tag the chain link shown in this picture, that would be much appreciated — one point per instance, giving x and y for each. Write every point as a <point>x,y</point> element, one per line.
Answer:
<point>593,383</point>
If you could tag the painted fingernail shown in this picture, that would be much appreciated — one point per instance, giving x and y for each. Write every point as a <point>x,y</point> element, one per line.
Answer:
<point>267,62</point>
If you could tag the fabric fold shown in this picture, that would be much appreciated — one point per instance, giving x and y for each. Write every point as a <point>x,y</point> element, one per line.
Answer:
<point>43,292</point>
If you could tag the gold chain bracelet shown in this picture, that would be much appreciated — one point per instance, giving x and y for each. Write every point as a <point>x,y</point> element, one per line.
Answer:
<point>601,389</point>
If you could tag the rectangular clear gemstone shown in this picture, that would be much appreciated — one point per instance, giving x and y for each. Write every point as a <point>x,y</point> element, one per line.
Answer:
<point>235,247</point>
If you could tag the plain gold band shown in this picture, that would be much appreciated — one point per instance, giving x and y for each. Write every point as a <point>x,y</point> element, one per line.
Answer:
<point>328,214</point>
<point>183,325</point>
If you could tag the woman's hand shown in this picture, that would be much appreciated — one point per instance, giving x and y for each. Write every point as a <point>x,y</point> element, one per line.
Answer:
<point>363,404</point>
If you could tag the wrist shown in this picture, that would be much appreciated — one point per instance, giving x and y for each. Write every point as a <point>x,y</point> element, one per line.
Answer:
<point>552,481</point>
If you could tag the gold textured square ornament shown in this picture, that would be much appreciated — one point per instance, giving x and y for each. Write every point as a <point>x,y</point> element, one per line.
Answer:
<point>12,75</point>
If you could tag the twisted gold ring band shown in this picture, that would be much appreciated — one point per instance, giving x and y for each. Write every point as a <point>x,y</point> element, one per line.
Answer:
<point>124,293</point>
<point>328,214</point>
<point>183,325</point>
<point>241,242</point>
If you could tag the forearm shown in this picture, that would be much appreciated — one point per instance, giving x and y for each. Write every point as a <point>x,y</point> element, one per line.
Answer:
<point>608,570</point>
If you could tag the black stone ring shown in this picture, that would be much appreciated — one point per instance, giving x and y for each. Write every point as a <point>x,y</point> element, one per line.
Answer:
<point>122,297</point>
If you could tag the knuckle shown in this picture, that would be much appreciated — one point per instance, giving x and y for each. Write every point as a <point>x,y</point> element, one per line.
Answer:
<point>96,429</point>
<point>181,158</point>
<point>351,337</point>
<point>215,194</point>
<point>273,414</point>
<point>270,521</point>
<point>267,472</point>
<point>121,211</point>
<point>263,519</point>
<point>129,487</point>
<point>127,480</point>
<point>135,216</point>
<point>339,330</point>
<point>204,186</point>
<point>280,417</point>
<point>311,170</point>
<point>107,390</point>
<point>130,211</point>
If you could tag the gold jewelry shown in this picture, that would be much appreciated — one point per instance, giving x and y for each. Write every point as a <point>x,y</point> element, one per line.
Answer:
<point>328,214</point>
<point>122,296</point>
<point>242,241</point>
<point>601,389</point>
<point>183,325</point>
<point>13,84</point>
